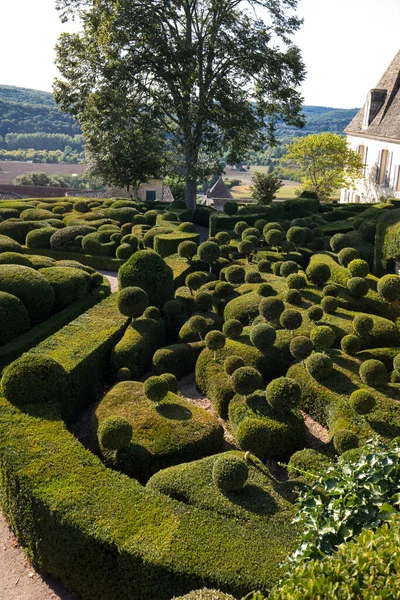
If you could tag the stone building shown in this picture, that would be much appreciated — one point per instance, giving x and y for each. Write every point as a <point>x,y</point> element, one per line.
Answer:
<point>217,195</point>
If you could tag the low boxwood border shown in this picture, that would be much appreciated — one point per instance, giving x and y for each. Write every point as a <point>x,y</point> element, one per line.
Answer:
<point>104,263</point>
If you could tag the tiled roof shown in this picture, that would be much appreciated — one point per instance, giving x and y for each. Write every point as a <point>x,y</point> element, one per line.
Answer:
<point>220,191</point>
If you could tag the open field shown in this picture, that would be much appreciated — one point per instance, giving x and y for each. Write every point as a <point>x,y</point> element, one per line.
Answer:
<point>10,169</point>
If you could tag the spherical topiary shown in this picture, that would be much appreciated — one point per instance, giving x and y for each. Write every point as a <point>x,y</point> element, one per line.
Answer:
<point>223,289</point>
<point>232,328</point>
<point>396,363</point>
<point>152,312</point>
<point>230,473</point>
<point>185,227</point>
<point>319,365</point>
<point>296,281</point>
<point>276,267</point>
<point>274,237</point>
<point>271,308</point>
<point>215,340</point>
<point>357,286</point>
<point>367,230</point>
<point>293,297</point>
<point>230,207</point>
<point>269,438</point>
<point>272,225</point>
<point>373,373</point>
<point>297,236</point>
<point>260,224</point>
<point>350,344</point>
<point>209,252</point>
<point>363,324</point>
<point>337,242</point>
<point>172,308</point>
<point>315,313</point>
<point>195,280</point>
<point>362,402</point>
<point>147,270</point>
<point>291,319</point>
<point>283,394</point>
<point>250,232</point>
<point>253,277</point>
<point>344,440</point>
<point>389,287</point>
<point>240,227</point>
<point>34,379</point>
<point>156,388</point>
<point>318,273</point>
<point>262,336</point>
<point>132,302</point>
<point>358,268</point>
<point>235,274</point>
<point>124,251</point>
<point>346,255</point>
<point>232,363</point>
<point>329,304</point>
<point>198,324</point>
<point>288,247</point>
<point>14,318</point>
<point>264,266</point>
<point>288,267</point>
<point>203,301</point>
<point>246,247</point>
<point>123,374</point>
<point>223,238</point>
<point>330,290</point>
<point>322,337</point>
<point>301,347</point>
<point>226,250</point>
<point>265,290</point>
<point>172,382</point>
<point>246,380</point>
<point>187,249</point>
<point>115,433</point>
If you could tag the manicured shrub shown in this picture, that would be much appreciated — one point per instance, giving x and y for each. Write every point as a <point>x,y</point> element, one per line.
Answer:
<point>240,227</point>
<point>272,225</point>
<point>223,238</point>
<point>203,301</point>
<point>232,363</point>
<point>276,267</point>
<point>283,394</point>
<point>8,244</point>
<point>297,236</point>
<point>323,337</point>
<point>296,281</point>
<point>329,304</point>
<point>230,207</point>
<point>172,381</point>
<point>362,401</point>
<point>250,232</point>
<point>156,388</point>
<point>268,438</point>
<point>271,308</point>
<point>288,247</point>
<point>226,250</point>
<point>235,274</point>
<point>14,318</point>
<point>246,380</point>
<point>346,255</point>
<point>373,373</point>
<point>338,242</point>
<point>265,290</point>
<point>274,237</point>
<point>232,328</point>
<point>215,340</point>
<point>132,302</point>
<point>260,224</point>
<point>198,324</point>
<point>301,347</point>
<point>288,267</point>
<point>389,287</point>
<point>115,433</point>
<point>230,473</point>
<point>69,284</point>
<point>124,251</point>
<point>34,379</point>
<point>264,266</point>
<point>209,253</point>
<point>262,336</point>
<point>357,286</point>
<point>123,374</point>
<point>194,281</point>
<point>318,273</point>
<point>223,289</point>
<point>40,238</point>
<point>315,313</point>
<point>330,290</point>
<point>172,308</point>
<point>187,249</point>
<point>362,324</point>
<point>31,287</point>
<point>358,268</point>
<point>147,270</point>
<point>186,227</point>
<point>344,440</point>
<point>253,277</point>
<point>307,463</point>
<point>246,247</point>
<point>367,231</point>
<point>152,312</point>
<point>350,344</point>
<point>14,258</point>
<point>319,365</point>
<point>291,319</point>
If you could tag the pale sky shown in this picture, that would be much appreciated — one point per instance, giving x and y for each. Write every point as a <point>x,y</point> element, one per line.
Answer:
<point>346,46</point>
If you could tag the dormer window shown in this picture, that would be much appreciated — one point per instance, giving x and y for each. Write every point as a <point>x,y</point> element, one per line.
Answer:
<point>373,105</point>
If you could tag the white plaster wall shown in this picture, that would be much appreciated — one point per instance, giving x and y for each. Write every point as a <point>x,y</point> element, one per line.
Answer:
<point>366,189</point>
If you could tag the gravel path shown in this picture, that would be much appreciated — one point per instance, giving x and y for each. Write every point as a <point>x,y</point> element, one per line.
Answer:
<point>112,278</point>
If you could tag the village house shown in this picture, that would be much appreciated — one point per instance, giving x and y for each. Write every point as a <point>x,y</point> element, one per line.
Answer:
<point>375,134</point>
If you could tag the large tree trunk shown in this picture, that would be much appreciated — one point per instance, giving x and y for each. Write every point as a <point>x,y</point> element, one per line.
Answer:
<point>191,193</point>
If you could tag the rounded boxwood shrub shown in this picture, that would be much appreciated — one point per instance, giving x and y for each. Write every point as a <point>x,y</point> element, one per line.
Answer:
<point>268,438</point>
<point>274,237</point>
<point>186,227</point>
<point>346,255</point>
<point>209,252</point>
<point>330,290</point>
<point>203,301</point>
<point>152,312</point>
<point>223,289</point>
<point>297,236</point>
<point>264,266</point>
<point>235,274</point>
<point>271,308</point>
<point>172,308</point>
<point>272,225</point>
<point>265,290</point>
<point>362,401</point>
<point>187,249</point>
<point>358,268</point>
<point>232,363</point>
<point>172,381</point>
<point>14,258</point>
<point>318,273</point>
<point>296,281</point>
<point>230,473</point>
<point>367,230</point>
<point>315,313</point>
<point>223,238</point>
<point>246,247</point>
<point>250,232</point>
<point>40,238</point>
<point>276,267</point>
<point>329,304</point>
<point>8,244</point>
<point>14,318</point>
<point>240,227</point>
<point>147,270</point>
<point>306,463</point>
<point>319,365</point>
<point>301,347</point>
<point>194,281</point>
<point>363,324</point>
<point>344,440</point>
<point>64,239</point>
<point>34,379</point>
<point>31,287</point>
<point>283,394</point>
<point>115,433</point>
<point>132,302</point>
<point>291,319</point>
<point>225,250</point>
<point>338,242</point>
<point>123,374</point>
<point>373,373</point>
<point>69,284</point>
<point>350,344</point>
<point>215,340</point>
<point>124,251</point>
<point>389,287</point>
<point>246,380</point>
<point>357,286</point>
<point>262,336</point>
<point>253,277</point>
<point>323,337</point>
<point>230,207</point>
<point>232,328</point>
<point>198,324</point>
<point>156,388</point>
<point>288,267</point>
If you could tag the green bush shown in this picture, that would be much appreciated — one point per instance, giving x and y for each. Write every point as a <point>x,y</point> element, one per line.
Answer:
<point>264,266</point>
<point>271,308</point>
<point>64,239</point>
<point>179,359</point>
<point>230,473</point>
<point>187,249</point>
<point>319,365</point>
<point>362,401</point>
<point>363,324</point>
<point>373,373</point>
<point>330,290</point>
<point>301,347</point>
<point>283,394</point>
<point>147,270</point>
<point>253,276</point>
<point>357,286</point>
<point>171,381</point>
<point>167,244</point>
<point>318,273</point>
<point>265,290</point>
<point>235,274</point>
<point>124,251</point>
<point>203,301</point>
<point>268,437</point>
<point>344,440</point>
<point>274,237</point>
<point>296,281</point>
<point>232,329</point>
<point>40,238</point>
<point>323,337</point>
<point>246,380</point>
<point>156,388</point>
<point>132,302</point>
<point>350,344</point>
<point>291,319</point>
<point>232,363</point>
<point>307,464</point>
<point>297,236</point>
<point>31,287</point>
<point>329,304</point>
<point>315,313</point>
<point>389,287</point>
<point>358,268</point>
<point>276,267</point>
<point>199,325</point>
<point>293,297</point>
<point>7,244</point>
<point>123,374</point>
<point>14,258</point>
<point>209,252</point>
<point>115,433</point>
<point>262,336</point>
<point>230,207</point>
<point>14,318</point>
<point>288,267</point>
<point>346,255</point>
<point>223,289</point>
<point>69,285</point>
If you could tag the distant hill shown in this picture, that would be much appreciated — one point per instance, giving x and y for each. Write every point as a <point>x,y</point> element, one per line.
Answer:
<point>320,119</point>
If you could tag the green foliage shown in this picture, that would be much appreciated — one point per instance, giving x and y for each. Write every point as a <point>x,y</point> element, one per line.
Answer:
<point>31,287</point>
<point>362,401</point>
<point>187,249</point>
<point>115,433</point>
<point>289,267</point>
<point>147,270</point>
<point>318,273</point>
<point>323,337</point>
<point>246,380</point>
<point>357,286</point>
<point>389,287</point>
<point>232,328</point>
<point>230,473</point>
<point>351,344</point>
<point>132,302</point>
<point>329,304</point>
<point>346,255</point>
<point>271,308</point>
<point>297,236</point>
<point>69,285</point>
<point>293,297</point>
<point>296,281</point>
<point>232,363</point>
<point>344,440</point>
<point>172,382</point>
<point>373,373</point>
<point>156,388</point>
<point>168,243</point>
<point>235,274</point>
<point>264,187</point>
<point>307,464</point>
<point>274,237</point>
<point>301,347</point>
<point>205,594</point>
<point>319,365</point>
<point>291,319</point>
<point>230,207</point>
<point>179,359</point>
<point>262,336</point>
<point>363,324</point>
<point>283,394</point>
<point>14,318</point>
<point>358,268</point>
<point>315,313</point>
<point>209,252</point>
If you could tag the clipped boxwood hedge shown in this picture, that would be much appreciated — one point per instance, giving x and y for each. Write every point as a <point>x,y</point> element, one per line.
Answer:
<point>167,243</point>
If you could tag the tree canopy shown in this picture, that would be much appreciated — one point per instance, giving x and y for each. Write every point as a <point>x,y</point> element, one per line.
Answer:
<point>326,161</point>
<point>205,77</point>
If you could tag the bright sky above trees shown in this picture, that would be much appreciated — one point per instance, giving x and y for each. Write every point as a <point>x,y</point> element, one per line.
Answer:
<point>346,46</point>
